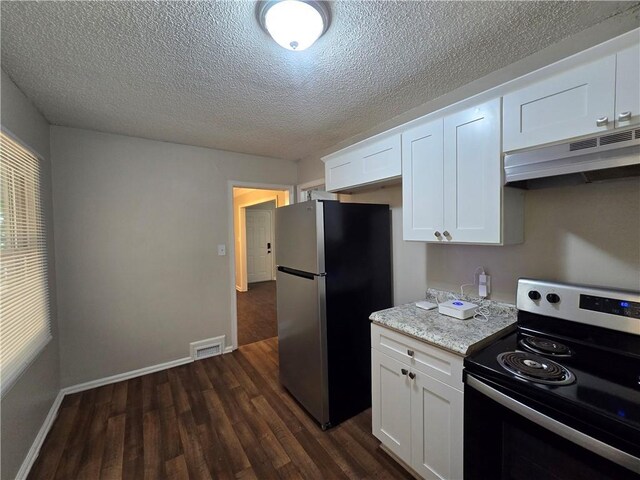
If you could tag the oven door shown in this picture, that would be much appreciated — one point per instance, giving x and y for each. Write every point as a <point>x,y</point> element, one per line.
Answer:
<point>505,438</point>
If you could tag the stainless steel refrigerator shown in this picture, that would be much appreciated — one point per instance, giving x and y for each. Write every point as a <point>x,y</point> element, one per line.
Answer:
<point>334,269</point>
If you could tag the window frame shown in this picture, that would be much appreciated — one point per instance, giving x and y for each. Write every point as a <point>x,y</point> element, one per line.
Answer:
<point>35,206</point>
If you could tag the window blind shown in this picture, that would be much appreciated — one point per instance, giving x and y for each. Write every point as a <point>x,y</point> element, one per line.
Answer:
<point>25,326</point>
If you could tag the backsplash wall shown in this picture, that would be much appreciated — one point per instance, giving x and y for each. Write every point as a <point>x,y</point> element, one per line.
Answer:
<point>580,234</point>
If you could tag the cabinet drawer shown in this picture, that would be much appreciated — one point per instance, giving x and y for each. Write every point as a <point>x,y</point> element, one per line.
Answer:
<point>433,361</point>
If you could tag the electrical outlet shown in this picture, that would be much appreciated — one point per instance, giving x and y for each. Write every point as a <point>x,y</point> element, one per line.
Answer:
<point>222,250</point>
<point>484,285</point>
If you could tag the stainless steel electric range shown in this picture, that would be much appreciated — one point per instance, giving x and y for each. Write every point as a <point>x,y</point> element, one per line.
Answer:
<point>559,398</point>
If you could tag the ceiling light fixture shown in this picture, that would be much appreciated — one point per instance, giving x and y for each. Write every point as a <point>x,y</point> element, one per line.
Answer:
<point>294,24</point>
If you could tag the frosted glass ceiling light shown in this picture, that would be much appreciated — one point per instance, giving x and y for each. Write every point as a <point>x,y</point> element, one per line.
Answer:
<point>294,24</point>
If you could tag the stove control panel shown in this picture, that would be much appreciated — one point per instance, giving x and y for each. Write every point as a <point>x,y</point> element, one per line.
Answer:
<point>613,306</point>
<point>613,309</point>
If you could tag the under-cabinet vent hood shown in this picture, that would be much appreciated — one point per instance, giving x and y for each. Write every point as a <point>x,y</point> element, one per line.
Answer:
<point>614,155</point>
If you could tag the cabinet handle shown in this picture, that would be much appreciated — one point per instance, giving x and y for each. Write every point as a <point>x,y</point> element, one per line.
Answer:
<point>602,121</point>
<point>437,234</point>
<point>412,375</point>
<point>624,116</point>
<point>446,234</point>
<point>410,353</point>
<point>404,371</point>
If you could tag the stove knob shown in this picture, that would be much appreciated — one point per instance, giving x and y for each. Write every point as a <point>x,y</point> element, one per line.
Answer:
<point>553,298</point>
<point>534,295</point>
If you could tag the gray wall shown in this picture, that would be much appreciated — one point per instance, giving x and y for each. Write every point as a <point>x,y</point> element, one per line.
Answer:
<point>26,405</point>
<point>136,225</point>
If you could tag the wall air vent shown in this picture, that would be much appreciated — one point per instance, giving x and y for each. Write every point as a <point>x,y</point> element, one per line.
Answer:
<point>582,144</point>
<point>638,134</point>
<point>207,348</point>
<point>616,137</point>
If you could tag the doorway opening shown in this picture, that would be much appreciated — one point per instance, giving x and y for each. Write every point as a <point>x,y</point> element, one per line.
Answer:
<point>255,266</point>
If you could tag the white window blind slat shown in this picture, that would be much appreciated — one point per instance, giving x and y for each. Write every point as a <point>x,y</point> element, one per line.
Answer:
<point>25,326</point>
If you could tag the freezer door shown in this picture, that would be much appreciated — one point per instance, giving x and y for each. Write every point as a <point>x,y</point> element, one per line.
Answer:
<point>300,236</point>
<point>302,339</point>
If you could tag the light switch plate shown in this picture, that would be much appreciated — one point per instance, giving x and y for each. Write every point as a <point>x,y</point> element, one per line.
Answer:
<point>222,250</point>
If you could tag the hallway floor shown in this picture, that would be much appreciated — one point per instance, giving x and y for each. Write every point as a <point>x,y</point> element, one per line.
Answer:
<point>257,313</point>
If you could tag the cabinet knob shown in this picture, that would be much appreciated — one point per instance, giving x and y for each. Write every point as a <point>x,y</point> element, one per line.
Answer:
<point>624,116</point>
<point>412,375</point>
<point>602,121</point>
<point>410,353</point>
<point>438,234</point>
<point>404,371</point>
<point>446,234</point>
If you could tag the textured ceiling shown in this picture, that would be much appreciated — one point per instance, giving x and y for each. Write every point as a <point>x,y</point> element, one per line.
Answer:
<point>204,73</point>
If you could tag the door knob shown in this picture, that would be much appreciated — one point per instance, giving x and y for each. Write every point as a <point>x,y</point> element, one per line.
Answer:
<point>412,375</point>
<point>438,234</point>
<point>602,121</point>
<point>624,116</point>
<point>446,234</point>
<point>404,371</point>
<point>410,353</point>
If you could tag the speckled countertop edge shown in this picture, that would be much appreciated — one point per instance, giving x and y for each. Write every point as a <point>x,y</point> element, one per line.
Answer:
<point>461,337</point>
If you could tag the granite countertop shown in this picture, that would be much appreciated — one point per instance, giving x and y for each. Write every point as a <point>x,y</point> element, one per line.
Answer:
<point>461,337</point>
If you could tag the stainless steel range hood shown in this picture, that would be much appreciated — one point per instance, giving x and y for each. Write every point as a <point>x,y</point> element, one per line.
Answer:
<point>592,159</point>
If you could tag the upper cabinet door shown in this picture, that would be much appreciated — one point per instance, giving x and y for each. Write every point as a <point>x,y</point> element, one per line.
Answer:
<point>422,182</point>
<point>380,159</point>
<point>473,175</point>
<point>628,87</point>
<point>374,160</point>
<point>574,103</point>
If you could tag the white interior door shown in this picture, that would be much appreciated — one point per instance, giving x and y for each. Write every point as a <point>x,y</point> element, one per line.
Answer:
<point>259,243</point>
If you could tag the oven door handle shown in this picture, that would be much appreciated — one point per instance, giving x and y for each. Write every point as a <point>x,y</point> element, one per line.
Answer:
<point>575,436</point>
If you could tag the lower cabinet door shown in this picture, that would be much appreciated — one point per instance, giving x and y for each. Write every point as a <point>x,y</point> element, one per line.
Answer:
<point>391,404</point>
<point>436,423</point>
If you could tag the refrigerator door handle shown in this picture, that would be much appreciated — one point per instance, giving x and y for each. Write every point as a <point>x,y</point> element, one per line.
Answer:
<point>300,273</point>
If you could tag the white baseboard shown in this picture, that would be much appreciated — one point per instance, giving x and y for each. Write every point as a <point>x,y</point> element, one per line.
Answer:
<point>125,376</point>
<point>228,349</point>
<point>34,451</point>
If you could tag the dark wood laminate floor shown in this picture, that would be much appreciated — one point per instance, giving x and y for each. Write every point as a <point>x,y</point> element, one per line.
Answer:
<point>223,417</point>
<point>257,313</point>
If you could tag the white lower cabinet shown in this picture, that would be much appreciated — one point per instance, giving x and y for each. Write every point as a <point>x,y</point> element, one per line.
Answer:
<point>391,404</point>
<point>416,417</point>
<point>436,424</point>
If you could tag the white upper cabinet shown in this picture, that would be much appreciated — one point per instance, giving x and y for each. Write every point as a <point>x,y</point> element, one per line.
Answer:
<point>370,161</point>
<point>452,181</point>
<point>422,182</point>
<point>628,87</point>
<point>473,175</point>
<point>570,104</point>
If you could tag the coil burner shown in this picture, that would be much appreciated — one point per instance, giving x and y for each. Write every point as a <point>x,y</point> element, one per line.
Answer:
<point>535,368</point>
<point>545,346</point>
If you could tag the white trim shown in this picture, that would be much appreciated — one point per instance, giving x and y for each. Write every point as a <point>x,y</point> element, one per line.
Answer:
<point>228,349</point>
<point>34,451</point>
<point>232,247</point>
<point>81,387</point>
